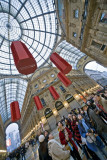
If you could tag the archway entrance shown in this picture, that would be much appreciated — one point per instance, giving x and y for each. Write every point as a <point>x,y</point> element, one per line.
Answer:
<point>50,118</point>
<point>69,98</point>
<point>12,137</point>
<point>61,109</point>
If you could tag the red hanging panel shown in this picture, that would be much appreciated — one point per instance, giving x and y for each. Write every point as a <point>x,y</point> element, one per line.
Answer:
<point>38,103</point>
<point>54,92</point>
<point>15,111</point>
<point>60,63</point>
<point>24,61</point>
<point>64,79</point>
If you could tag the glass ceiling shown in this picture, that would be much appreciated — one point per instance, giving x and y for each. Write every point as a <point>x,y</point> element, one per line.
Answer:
<point>69,53</point>
<point>11,89</point>
<point>33,22</point>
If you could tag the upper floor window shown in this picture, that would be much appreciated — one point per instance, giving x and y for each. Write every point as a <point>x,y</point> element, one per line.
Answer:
<point>43,102</point>
<point>52,96</point>
<point>55,79</point>
<point>62,89</point>
<point>103,47</point>
<point>36,86</point>
<point>74,34</point>
<point>52,75</point>
<point>96,44</point>
<point>76,13</point>
<point>103,18</point>
<point>44,80</point>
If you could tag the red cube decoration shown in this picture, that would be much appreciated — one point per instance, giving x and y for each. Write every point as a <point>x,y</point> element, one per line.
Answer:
<point>64,79</point>
<point>38,103</point>
<point>24,61</point>
<point>54,92</point>
<point>60,63</point>
<point>15,111</point>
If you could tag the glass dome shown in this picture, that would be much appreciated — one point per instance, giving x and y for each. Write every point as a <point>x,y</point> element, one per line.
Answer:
<point>31,21</point>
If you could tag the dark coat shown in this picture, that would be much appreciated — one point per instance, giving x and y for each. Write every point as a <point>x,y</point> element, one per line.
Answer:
<point>99,125</point>
<point>44,155</point>
<point>76,132</point>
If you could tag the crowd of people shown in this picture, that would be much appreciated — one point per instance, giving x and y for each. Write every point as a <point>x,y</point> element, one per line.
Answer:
<point>82,133</point>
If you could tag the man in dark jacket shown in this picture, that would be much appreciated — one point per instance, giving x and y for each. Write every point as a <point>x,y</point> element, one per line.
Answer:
<point>99,125</point>
<point>23,151</point>
<point>43,149</point>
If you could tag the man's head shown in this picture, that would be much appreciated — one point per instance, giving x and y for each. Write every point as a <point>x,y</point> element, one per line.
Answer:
<point>69,115</point>
<point>46,133</point>
<point>92,94</point>
<point>60,124</point>
<point>79,116</point>
<point>85,108</point>
<point>97,98</point>
<point>50,136</point>
<point>88,102</point>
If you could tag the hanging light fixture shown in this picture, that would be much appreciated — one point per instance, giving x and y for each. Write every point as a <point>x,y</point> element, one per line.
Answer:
<point>38,103</point>
<point>24,61</point>
<point>54,92</point>
<point>64,79</point>
<point>15,111</point>
<point>60,63</point>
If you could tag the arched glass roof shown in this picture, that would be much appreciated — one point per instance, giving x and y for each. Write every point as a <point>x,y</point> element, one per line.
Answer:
<point>69,53</point>
<point>11,89</point>
<point>33,22</point>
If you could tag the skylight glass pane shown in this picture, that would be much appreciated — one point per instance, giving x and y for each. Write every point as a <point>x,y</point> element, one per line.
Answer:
<point>31,22</point>
<point>69,53</point>
<point>15,91</point>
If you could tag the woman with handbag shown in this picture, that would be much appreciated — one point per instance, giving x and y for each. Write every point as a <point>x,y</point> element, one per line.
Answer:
<point>93,141</point>
<point>66,139</point>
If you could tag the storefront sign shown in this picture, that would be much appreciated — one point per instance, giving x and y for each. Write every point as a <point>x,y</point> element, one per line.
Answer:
<point>59,105</point>
<point>69,98</point>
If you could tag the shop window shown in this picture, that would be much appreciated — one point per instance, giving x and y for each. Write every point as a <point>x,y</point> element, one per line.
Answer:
<point>76,13</point>
<point>74,34</point>
<point>96,44</point>
<point>62,89</point>
<point>103,18</point>
<point>43,102</point>
<point>103,47</point>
